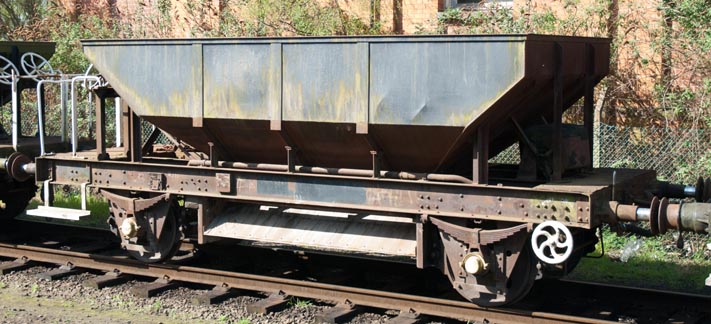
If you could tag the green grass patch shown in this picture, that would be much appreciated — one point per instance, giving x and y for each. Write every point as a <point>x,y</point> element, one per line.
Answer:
<point>299,302</point>
<point>98,206</point>
<point>658,264</point>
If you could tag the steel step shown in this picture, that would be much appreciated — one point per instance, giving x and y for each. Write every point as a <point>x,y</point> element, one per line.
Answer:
<point>58,212</point>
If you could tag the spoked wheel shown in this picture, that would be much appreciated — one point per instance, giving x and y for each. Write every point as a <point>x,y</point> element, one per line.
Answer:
<point>159,249</point>
<point>6,70</point>
<point>35,65</point>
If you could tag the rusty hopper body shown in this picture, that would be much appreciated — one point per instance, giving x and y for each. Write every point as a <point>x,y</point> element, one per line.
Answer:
<point>415,99</point>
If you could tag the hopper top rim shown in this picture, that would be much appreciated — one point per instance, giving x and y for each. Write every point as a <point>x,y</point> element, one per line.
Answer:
<point>347,39</point>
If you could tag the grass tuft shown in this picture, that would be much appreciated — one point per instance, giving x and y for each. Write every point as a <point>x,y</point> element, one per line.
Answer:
<point>98,206</point>
<point>658,264</point>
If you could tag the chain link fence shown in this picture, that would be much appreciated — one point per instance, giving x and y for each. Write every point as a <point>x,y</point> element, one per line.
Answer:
<point>53,116</point>
<point>678,155</point>
<point>86,127</point>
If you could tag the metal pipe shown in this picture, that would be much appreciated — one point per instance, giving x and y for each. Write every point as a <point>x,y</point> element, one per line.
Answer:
<point>625,213</point>
<point>117,114</point>
<point>40,115</point>
<point>63,111</point>
<point>18,166</point>
<point>672,190</point>
<point>75,140</point>
<point>642,214</point>
<point>691,217</point>
<point>336,171</point>
<point>30,168</point>
<point>690,191</point>
<point>15,98</point>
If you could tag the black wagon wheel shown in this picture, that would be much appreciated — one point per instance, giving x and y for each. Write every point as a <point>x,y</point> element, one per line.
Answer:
<point>16,198</point>
<point>160,249</point>
<point>519,284</point>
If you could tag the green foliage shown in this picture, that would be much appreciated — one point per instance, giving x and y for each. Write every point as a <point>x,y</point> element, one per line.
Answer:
<point>287,18</point>
<point>657,264</point>
<point>299,302</point>
<point>156,306</point>
<point>68,56</point>
<point>17,13</point>
<point>684,86</point>
<point>56,26</point>
<point>626,163</point>
<point>588,20</point>
<point>692,20</point>
<point>691,169</point>
<point>497,20</point>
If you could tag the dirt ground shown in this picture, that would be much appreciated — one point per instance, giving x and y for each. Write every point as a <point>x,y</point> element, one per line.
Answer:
<point>17,307</point>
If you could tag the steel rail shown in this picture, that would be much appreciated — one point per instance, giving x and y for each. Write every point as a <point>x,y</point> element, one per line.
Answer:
<point>290,287</point>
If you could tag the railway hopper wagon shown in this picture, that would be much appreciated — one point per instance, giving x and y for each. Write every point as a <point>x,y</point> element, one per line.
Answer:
<point>369,147</point>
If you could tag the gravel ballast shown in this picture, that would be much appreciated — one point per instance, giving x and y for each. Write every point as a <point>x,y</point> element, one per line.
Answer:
<point>24,298</point>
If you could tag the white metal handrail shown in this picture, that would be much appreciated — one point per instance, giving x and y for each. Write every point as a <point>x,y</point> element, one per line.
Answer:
<point>75,137</point>
<point>14,121</point>
<point>63,80</point>
<point>40,115</point>
<point>15,107</point>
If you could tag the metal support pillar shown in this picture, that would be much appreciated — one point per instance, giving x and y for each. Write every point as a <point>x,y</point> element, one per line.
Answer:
<point>423,234</point>
<point>136,145</point>
<point>100,104</point>
<point>64,98</point>
<point>17,101</point>
<point>480,166</point>
<point>556,144</point>
<point>118,114</point>
<point>290,157</point>
<point>588,108</point>
<point>43,97</point>
<point>376,163</point>
<point>125,127</point>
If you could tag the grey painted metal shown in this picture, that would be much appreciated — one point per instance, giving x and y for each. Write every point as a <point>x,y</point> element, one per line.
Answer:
<point>154,80</point>
<point>418,98</point>
<point>238,88</point>
<point>409,81</point>
<point>434,83</point>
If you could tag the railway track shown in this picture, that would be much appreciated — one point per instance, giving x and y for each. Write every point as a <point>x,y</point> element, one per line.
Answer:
<point>344,298</point>
<point>550,302</point>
